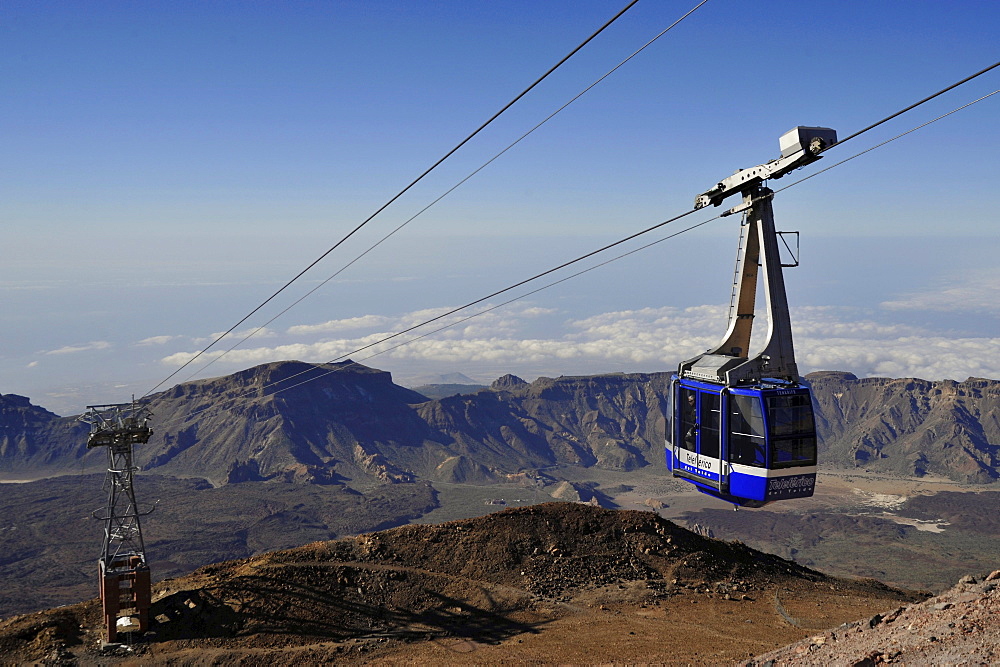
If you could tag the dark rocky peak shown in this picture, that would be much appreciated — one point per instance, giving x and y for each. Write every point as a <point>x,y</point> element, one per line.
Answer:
<point>244,471</point>
<point>271,420</point>
<point>831,376</point>
<point>291,380</point>
<point>11,404</point>
<point>507,382</point>
<point>26,429</point>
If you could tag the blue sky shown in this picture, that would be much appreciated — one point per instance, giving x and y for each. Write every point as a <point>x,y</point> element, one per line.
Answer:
<point>166,166</point>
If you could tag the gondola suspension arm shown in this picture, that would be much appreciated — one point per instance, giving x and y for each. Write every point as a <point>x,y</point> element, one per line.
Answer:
<point>729,362</point>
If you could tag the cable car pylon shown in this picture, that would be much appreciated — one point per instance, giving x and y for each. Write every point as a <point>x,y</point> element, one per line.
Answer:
<point>124,576</point>
<point>741,427</point>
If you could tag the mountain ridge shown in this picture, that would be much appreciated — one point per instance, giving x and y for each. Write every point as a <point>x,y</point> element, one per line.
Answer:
<point>351,424</point>
<point>910,426</point>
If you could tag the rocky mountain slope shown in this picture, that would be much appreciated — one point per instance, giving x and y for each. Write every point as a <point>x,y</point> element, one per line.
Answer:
<point>958,627</point>
<point>347,422</point>
<point>32,439</point>
<point>558,582</point>
<point>910,426</point>
<point>610,421</point>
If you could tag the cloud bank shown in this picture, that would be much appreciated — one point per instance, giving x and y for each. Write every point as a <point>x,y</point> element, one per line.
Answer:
<point>973,290</point>
<point>86,347</point>
<point>648,339</point>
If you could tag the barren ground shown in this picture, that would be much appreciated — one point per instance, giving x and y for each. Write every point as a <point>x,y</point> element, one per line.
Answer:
<point>554,583</point>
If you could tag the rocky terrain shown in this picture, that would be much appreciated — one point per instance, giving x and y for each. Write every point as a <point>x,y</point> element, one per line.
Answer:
<point>51,542</point>
<point>350,423</point>
<point>912,538</point>
<point>560,582</point>
<point>910,426</point>
<point>283,454</point>
<point>958,627</point>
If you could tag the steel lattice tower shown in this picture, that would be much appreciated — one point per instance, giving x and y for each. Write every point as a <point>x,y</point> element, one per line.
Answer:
<point>124,573</point>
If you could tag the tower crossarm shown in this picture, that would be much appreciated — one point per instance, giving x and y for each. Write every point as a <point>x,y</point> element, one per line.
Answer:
<point>799,146</point>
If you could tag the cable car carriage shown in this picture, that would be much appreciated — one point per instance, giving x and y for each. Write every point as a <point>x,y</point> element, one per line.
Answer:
<point>747,445</point>
<point>741,427</point>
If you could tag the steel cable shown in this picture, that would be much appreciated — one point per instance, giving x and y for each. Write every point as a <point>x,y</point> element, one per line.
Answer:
<point>453,311</point>
<point>446,193</point>
<point>398,195</point>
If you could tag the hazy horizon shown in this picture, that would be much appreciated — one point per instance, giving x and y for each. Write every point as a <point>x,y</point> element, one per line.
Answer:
<point>168,166</point>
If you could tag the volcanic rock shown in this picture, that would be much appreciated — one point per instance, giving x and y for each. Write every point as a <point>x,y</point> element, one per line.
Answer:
<point>502,579</point>
<point>910,426</point>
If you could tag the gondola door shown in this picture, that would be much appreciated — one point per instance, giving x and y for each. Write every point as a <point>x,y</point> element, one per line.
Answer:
<point>697,451</point>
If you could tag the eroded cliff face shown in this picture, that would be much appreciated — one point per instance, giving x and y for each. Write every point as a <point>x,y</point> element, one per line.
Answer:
<point>349,422</point>
<point>344,423</point>
<point>610,421</point>
<point>32,438</point>
<point>335,421</point>
<point>910,426</point>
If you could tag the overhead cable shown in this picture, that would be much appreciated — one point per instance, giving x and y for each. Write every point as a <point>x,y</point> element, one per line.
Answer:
<point>447,192</point>
<point>564,265</point>
<point>914,106</point>
<point>497,306</point>
<point>399,194</point>
<point>512,287</point>
<point>646,231</point>
<point>449,325</point>
<point>903,134</point>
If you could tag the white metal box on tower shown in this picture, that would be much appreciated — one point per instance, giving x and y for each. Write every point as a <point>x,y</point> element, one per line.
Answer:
<point>801,139</point>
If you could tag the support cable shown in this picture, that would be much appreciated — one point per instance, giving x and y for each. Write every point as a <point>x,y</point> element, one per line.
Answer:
<point>497,306</point>
<point>552,115</point>
<point>564,265</point>
<point>399,194</point>
<point>352,363</point>
<point>913,106</point>
<point>657,226</point>
<point>512,287</point>
<point>868,150</point>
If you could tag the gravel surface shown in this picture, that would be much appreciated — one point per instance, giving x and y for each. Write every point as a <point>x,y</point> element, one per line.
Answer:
<point>958,627</point>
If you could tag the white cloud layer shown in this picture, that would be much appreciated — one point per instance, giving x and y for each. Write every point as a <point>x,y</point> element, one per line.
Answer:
<point>333,326</point>
<point>649,339</point>
<point>973,290</point>
<point>157,340</point>
<point>86,347</point>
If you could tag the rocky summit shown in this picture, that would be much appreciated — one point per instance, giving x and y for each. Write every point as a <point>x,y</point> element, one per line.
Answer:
<point>557,582</point>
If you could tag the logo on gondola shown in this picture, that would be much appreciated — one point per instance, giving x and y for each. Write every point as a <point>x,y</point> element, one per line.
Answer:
<point>790,487</point>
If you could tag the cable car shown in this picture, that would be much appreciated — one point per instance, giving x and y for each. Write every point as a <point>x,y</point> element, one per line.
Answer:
<point>747,445</point>
<point>740,426</point>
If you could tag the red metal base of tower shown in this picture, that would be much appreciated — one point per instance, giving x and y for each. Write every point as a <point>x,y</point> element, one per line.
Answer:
<point>126,592</point>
